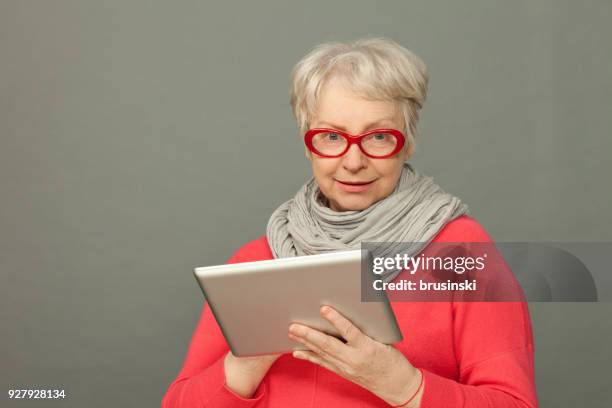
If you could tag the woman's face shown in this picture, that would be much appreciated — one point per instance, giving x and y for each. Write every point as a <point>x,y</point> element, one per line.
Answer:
<point>339,108</point>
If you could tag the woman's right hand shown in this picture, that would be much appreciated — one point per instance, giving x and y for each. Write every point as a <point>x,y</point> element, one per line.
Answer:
<point>244,374</point>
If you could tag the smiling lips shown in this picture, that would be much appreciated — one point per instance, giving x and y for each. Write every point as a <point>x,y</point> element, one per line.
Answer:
<point>354,186</point>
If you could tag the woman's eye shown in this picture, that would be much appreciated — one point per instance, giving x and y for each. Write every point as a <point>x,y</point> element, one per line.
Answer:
<point>380,136</point>
<point>333,137</point>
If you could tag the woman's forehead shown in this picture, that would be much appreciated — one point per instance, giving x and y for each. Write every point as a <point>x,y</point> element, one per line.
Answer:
<point>339,105</point>
<point>356,118</point>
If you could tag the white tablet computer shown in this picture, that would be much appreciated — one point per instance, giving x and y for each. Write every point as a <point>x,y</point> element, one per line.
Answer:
<point>255,302</point>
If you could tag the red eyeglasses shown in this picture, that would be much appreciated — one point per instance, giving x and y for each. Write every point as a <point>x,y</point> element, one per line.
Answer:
<point>377,143</point>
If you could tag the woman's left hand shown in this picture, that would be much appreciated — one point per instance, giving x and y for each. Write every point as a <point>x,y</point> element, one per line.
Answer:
<point>378,367</point>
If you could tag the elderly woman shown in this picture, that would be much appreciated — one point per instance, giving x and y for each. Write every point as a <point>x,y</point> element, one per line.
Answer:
<point>357,107</point>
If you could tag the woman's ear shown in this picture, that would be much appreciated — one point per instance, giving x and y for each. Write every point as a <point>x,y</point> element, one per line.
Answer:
<point>408,152</point>
<point>308,153</point>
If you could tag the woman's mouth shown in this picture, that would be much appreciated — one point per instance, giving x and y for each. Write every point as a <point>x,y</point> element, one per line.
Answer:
<point>354,186</point>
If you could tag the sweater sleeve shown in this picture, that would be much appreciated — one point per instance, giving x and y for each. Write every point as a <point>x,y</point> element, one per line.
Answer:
<point>495,354</point>
<point>201,381</point>
<point>493,344</point>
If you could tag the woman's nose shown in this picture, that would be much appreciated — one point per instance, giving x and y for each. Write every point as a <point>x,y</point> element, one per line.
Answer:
<point>354,159</point>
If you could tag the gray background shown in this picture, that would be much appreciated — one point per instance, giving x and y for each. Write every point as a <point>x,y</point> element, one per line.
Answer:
<point>141,139</point>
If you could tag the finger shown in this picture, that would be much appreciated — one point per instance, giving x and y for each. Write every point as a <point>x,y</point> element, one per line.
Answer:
<point>345,327</point>
<point>319,343</point>
<point>315,358</point>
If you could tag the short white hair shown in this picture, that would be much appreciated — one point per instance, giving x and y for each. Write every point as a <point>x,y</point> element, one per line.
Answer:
<point>376,68</point>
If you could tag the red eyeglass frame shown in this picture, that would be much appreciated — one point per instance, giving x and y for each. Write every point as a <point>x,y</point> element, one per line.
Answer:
<point>352,139</point>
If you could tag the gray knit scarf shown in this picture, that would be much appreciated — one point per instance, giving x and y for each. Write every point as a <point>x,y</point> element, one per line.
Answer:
<point>406,220</point>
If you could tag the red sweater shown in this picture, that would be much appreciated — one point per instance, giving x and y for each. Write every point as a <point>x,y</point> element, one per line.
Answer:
<point>473,354</point>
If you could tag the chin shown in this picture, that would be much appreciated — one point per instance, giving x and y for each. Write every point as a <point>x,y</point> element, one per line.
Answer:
<point>357,204</point>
